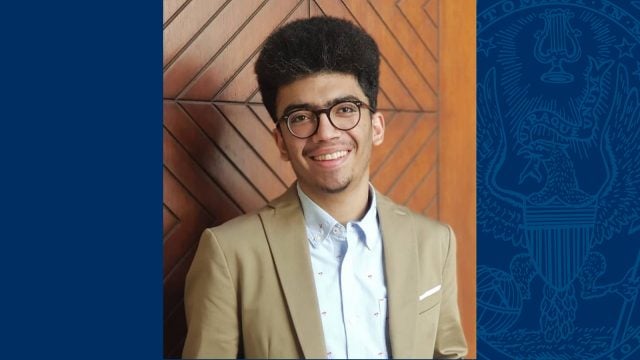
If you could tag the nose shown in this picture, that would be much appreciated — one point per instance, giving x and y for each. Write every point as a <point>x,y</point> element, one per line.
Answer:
<point>326,130</point>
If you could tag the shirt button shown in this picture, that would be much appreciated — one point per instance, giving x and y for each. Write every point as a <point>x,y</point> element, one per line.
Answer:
<point>336,231</point>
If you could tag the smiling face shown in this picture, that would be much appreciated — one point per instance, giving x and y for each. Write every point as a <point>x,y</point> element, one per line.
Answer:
<point>331,161</point>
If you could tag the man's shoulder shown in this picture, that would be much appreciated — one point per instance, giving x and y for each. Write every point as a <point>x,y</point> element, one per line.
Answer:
<point>248,228</point>
<point>248,222</point>
<point>418,219</point>
<point>241,235</point>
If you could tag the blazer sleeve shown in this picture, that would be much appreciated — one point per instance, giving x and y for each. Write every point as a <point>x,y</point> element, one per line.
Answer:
<point>210,304</point>
<point>450,342</point>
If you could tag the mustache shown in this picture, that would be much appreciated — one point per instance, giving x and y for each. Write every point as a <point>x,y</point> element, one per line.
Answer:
<point>310,148</point>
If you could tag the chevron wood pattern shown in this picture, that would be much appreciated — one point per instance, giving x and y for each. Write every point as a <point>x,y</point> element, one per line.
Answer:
<point>219,157</point>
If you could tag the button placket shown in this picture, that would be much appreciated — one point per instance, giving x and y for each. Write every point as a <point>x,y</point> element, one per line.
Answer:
<point>347,288</point>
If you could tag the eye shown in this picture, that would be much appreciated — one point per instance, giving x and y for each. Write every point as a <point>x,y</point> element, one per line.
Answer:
<point>346,108</point>
<point>298,117</point>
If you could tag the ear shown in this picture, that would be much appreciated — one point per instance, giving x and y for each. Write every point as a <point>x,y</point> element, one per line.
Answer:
<point>377,126</point>
<point>277,136</point>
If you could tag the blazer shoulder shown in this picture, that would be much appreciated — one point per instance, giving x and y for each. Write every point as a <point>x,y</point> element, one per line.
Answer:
<point>238,232</point>
<point>248,230</point>
<point>422,223</point>
<point>431,235</point>
<point>431,226</point>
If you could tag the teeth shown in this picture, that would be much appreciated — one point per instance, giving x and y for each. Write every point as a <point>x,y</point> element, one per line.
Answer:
<point>332,156</point>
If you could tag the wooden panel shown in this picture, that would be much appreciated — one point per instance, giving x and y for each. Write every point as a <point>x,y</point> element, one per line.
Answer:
<point>422,165</point>
<point>458,144</point>
<point>169,9</point>
<point>186,24</point>
<point>401,154</point>
<point>179,248</point>
<point>259,138</point>
<point>219,156</point>
<point>210,162</point>
<point>169,221</point>
<point>244,46</point>
<point>213,122</point>
<point>397,127</point>
<point>204,47</point>
<point>425,196</point>
<point>191,217</point>
<point>418,52</point>
<point>399,59</point>
<point>425,27</point>
<point>392,85</point>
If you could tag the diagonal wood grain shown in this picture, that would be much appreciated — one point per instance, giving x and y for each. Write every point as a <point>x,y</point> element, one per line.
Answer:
<point>423,23</point>
<point>259,137</point>
<point>193,219</point>
<point>236,149</point>
<point>431,8</point>
<point>206,46</point>
<point>393,52</point>
<point>169,222</point>
<point>244,45</point>
<point>423,163</point>
<point>426,192</point>
<point>170,7</point>
<point>210,161</point>
<point>402,153</point>
<point>418,52</point>
<point>391,82</point>
<point>187,23</point>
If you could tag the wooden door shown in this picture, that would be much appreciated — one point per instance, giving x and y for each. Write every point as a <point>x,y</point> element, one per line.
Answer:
<point>220,160</point>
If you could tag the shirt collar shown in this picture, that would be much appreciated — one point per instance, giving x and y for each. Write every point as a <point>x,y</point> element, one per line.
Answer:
<point>319,223</point>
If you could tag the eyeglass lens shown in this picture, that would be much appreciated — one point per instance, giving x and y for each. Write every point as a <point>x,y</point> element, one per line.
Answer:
<point>344,116</point>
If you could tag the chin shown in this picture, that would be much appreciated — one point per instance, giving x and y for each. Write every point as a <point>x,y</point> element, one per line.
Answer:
<point>335,188</point>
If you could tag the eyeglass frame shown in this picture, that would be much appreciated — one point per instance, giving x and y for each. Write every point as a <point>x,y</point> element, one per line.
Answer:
<point>326,111</point>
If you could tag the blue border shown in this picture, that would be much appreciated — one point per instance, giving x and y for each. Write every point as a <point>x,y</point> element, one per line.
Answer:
<point>81,154</point>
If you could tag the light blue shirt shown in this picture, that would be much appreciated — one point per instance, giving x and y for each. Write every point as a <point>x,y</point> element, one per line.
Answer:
<point>348,270</point>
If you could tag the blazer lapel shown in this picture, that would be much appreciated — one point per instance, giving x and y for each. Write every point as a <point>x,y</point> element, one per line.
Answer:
<point>287,238</point>
<point>401,269</point>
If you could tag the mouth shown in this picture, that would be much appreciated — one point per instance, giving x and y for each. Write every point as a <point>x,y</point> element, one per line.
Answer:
<point>331,156</point>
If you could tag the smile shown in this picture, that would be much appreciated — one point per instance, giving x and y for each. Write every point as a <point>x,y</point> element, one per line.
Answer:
<point>331,156</point>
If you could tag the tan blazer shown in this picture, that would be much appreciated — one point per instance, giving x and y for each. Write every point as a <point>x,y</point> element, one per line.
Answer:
<point>250,290</point>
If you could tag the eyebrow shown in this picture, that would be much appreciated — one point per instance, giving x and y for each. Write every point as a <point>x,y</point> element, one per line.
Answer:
<point>327,104</point>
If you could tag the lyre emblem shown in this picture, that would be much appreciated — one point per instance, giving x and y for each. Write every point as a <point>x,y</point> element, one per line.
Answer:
<point>557,43</point>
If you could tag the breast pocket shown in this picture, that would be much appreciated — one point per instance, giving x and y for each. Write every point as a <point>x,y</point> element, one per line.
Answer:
<point>429,303</point>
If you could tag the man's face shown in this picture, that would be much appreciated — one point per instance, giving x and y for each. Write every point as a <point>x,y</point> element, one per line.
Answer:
<point>332,160</point>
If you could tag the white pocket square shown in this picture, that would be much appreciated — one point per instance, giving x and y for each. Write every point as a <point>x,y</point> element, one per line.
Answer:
<point>429,292</point>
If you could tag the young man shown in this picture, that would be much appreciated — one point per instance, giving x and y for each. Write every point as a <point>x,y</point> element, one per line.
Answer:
<point>331,269</point>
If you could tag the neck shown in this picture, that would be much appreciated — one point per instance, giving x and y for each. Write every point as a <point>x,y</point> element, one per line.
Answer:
<point>347,205</point>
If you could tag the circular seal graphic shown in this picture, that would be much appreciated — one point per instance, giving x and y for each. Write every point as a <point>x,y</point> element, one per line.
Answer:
<point>558,139</point>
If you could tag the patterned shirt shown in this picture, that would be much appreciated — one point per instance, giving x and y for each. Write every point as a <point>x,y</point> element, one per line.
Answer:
<point>348,270</point>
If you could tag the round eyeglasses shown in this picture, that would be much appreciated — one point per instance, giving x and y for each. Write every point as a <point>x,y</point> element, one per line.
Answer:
<point>345,115</point>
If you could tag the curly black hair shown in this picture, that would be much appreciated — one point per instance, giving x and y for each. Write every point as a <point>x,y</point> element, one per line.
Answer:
<point>316,45</point>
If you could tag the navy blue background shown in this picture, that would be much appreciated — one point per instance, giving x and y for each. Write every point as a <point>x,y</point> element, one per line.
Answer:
<point>81,189</point>
<point>507,37</point>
